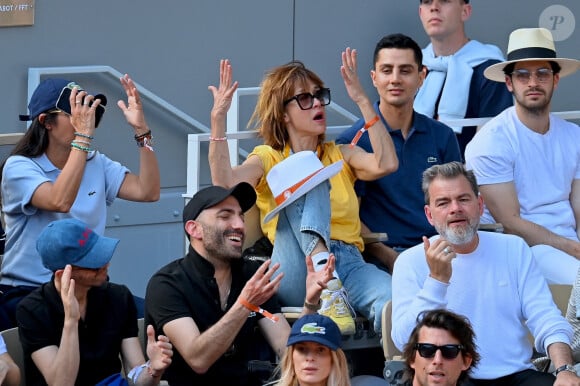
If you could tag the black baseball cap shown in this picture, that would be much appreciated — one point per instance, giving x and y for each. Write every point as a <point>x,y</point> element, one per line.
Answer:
<point>213,195</point>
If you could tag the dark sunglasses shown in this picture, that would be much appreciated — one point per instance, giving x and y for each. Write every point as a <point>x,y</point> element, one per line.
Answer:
<point>63,102</point>
<point>449,351</point>
<point>306,100</point>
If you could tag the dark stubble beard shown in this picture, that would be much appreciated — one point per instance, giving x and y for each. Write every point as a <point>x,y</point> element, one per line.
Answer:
<point>537,110</point>
<point>215,243</point>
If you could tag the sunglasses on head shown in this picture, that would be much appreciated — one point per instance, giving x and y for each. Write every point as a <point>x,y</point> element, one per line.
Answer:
<point>306,100</point>
<point>63,102</point>
<point>449,351</point>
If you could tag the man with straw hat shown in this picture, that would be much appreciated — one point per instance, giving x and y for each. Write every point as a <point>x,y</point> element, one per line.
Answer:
<point>527,160</point>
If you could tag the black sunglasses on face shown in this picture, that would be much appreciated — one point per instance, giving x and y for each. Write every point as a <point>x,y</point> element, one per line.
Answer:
<point>449,351</point>
<point>306,100</point>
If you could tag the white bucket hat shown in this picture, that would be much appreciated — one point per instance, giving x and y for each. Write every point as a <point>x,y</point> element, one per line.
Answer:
<point>295,176</point>
<point>530,44</point>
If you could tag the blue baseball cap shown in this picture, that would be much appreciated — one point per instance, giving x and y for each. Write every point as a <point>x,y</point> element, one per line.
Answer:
<point>71,241</point>
<point>54,93</point>
<point>316,328</point>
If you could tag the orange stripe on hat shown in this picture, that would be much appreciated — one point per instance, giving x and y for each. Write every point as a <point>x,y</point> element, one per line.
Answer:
<point>288,192</point>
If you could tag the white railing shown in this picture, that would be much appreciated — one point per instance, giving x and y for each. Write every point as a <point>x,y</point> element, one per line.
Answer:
<point>35,74</point>
<point>234,134</point>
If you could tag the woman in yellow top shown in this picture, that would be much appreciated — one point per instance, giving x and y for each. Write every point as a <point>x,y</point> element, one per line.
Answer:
<point>290,117</point>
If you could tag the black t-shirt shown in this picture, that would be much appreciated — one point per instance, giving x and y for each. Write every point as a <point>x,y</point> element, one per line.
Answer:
<point>186,288</point>
<point>111,316</point>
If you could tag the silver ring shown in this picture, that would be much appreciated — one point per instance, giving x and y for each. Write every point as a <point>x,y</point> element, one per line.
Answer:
<point>446,250</point>
<point>85,104</point>
<point>78,102</point>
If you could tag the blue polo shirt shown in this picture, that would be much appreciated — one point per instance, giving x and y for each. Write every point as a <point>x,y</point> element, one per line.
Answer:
<point>394,203</point>
<point>102,179</point>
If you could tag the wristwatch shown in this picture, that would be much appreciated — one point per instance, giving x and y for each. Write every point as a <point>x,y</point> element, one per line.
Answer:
<point>565,367</point>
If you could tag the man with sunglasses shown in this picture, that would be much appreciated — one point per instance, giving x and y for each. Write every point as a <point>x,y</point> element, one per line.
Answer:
<point>527,160</point>
<point>386,204</point>
<point>490,278</point>
<point>441,349</point>
<point>54,172</point>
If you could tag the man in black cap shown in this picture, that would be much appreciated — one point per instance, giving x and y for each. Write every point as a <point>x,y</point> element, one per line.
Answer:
<point>212,304</point>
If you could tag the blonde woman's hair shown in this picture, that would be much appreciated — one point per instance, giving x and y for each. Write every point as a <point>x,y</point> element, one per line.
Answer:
<point>339,373</point>
<point>277,87</point>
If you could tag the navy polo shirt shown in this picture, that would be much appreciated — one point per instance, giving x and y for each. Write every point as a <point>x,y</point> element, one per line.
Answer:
<point>394,203</point>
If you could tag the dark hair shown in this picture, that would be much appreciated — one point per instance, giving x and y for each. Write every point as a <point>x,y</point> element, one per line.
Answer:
<point>34,142</point>
<point>399,41</point>
<point>457,325</point>
<point>508,69</point>
<point>448,171</point>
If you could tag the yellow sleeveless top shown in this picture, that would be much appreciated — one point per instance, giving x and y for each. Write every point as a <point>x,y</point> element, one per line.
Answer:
<point>344,222</point>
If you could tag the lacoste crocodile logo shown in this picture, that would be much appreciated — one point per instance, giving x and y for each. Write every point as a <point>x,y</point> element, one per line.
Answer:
<point>313,328</point>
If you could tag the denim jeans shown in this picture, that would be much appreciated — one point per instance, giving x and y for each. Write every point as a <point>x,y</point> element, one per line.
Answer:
<point>300,226</point>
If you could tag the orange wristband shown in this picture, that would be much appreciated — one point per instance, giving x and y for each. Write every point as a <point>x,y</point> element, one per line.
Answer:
<point>257,309</point>
<point>363,129</point>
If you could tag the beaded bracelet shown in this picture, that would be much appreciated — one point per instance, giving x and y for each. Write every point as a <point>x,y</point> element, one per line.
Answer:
<point>146,142</point>
<point>79,147</point>
<point>218,139</point>
<point>141,136</point>
<point>77,141</point>
<point>78,134</point>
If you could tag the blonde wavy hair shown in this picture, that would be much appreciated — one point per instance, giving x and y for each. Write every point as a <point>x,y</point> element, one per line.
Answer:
<point>278,86</point>
<point>339,374</point>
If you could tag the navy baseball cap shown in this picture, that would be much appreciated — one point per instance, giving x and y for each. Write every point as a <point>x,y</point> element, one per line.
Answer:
<point>316,328</point>
<point>213,195</point>
<point>53,94</point>
<point>71,241</point>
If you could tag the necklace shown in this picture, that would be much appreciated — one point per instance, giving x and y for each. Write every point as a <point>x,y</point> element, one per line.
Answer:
<point>224,301</point>
<point>224,290</point>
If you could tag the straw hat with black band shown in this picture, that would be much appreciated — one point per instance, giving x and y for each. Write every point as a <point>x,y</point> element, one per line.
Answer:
<point>531,44</point>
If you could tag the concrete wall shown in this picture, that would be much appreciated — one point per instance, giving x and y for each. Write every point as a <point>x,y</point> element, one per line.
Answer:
<point>173,48</point>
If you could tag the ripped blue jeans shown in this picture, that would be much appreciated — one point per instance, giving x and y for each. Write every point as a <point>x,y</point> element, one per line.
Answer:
<point>300,226</point>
